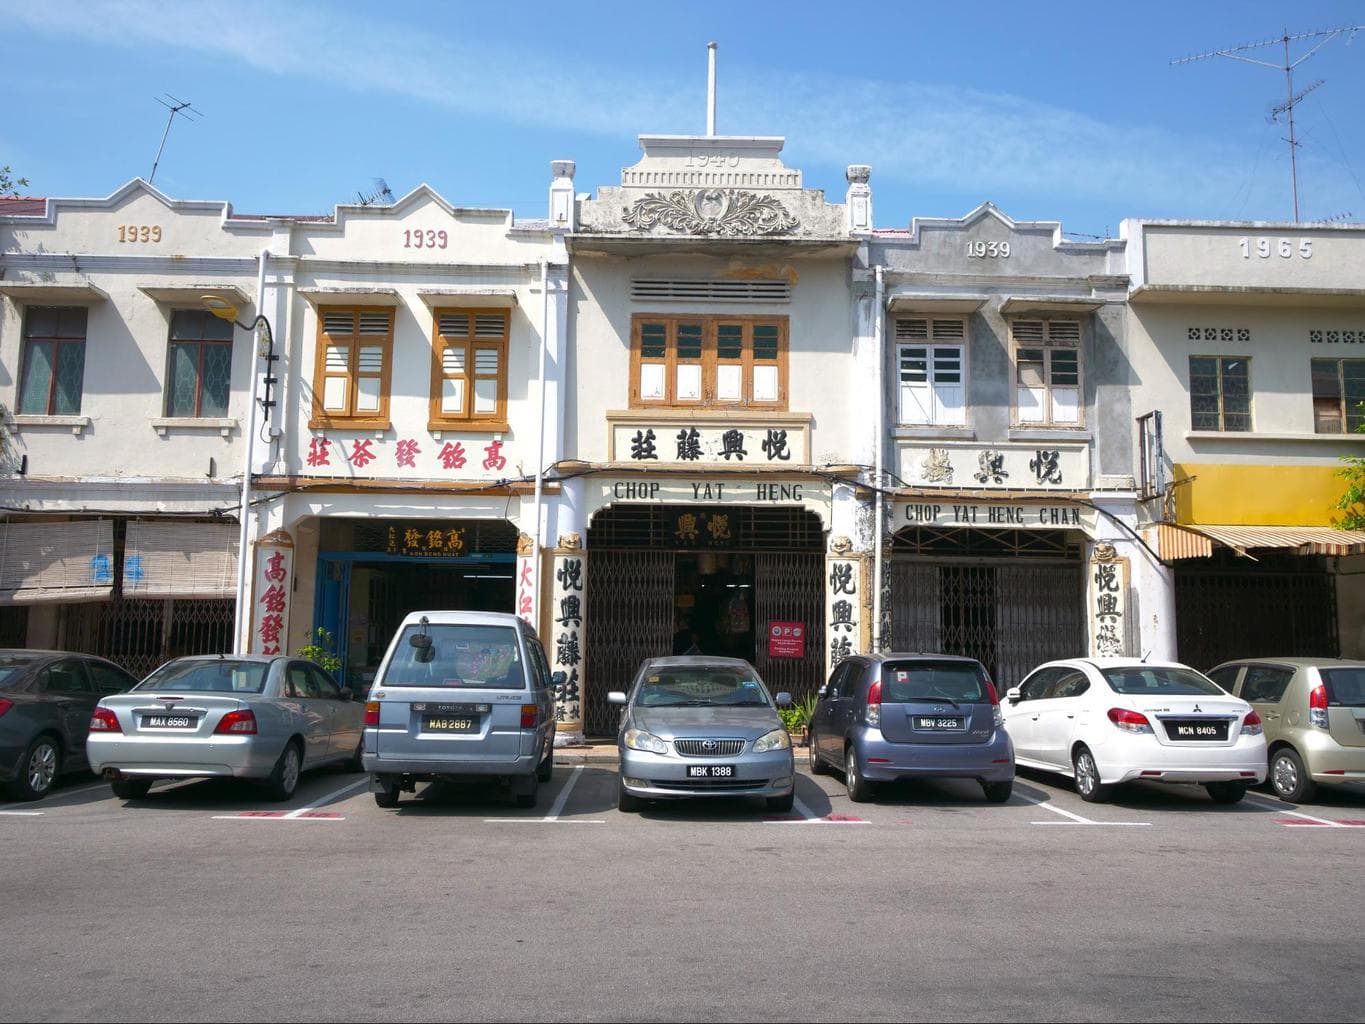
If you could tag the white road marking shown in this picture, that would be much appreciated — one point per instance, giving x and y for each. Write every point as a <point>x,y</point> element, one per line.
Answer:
<point>564,794</point>
<point>12,808</point>
<point>553,817</point>
<point>23,814</point>
<point>308,813</point>
<point>328,799</point>
<point>1076,819</point>
<point>1282,809</point>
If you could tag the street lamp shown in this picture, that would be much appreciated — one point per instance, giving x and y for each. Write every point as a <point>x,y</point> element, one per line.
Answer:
<point>265,349</point>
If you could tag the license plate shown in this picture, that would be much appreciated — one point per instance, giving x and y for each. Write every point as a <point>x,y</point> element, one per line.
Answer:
<point>169,721</point>
<point>461,710</point>
<point>1178,729</point>
<point>449,723</point>
<point>710,771</point>
<point>935,724</point>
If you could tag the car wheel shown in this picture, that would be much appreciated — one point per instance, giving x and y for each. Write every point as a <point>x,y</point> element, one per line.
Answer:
<point>546,769</point>
<point>1289,778</point>
<point>997,792</point>
<point>859,789</point>
<point>1088,777</point>
<point>285,778</point>
<point>626,801</point>
<point>1226,792</point>
<point>529,797</point>
<point>782,804</point>
<point>131,789</point>
<point>817,766</point>
<point>37,769</point>
<point>387,795</point>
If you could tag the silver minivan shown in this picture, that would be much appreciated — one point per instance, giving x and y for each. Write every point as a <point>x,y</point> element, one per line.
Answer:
<point>460,695</point>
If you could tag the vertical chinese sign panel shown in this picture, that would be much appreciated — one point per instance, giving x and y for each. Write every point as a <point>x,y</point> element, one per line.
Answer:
<point>272,585</point>
<point>527,584</point>
<point>1107,597</point>
<point>843,609</point>
<point>568,589</point>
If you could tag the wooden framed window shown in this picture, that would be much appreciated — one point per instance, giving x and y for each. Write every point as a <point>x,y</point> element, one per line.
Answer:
<point>1338,395</point>
<point>53,375</point>
<point>1220,393</point>
<point>931,371</point>
<point>199,364</point>
<point>709,361</point>
<point>353,367</point>
<point>469,369</point>
<point>1047,367</point>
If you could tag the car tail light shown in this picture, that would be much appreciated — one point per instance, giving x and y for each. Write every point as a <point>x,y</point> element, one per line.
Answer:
<point>1317,706</point>
<point>103,720</point>
<point>372,712</point>
<point>5,705</point>
<point>1129,721</point>
<point>1251,725</point>
<point>237,723</point>
<point>874,704</point>
<point>996,713</point>
<point>530,714</point>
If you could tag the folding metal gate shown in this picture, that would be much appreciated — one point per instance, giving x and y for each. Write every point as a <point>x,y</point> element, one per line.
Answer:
<point>630,618</point>
<point>1010,616</point>
<point>787,588</point>
<point>140,634</point>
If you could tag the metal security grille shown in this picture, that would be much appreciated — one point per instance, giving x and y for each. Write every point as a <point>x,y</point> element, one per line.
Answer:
<point>630,618</point>
<point>787,588</point>
<point>1010,616</point>
<point>1231,612</point>
<point>719,748</point>
<point>141,634</point>
<point>751,528</point>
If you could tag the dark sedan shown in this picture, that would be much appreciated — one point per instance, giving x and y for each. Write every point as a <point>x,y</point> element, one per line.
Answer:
<point>46,698</point>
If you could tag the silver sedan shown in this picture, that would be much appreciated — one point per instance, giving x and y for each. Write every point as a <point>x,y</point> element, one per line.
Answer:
<point>698,726</point>
<point>265,718</point>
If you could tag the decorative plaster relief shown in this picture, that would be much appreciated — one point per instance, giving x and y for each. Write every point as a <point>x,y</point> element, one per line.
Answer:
<point>711,211</point>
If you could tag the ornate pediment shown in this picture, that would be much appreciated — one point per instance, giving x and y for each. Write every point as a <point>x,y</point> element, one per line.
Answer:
<point>725,212</point>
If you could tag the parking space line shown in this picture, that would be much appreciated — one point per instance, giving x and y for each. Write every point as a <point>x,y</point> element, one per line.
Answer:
<point>323,801</point>
<point>553,816</point>
<point>308,813</point>
<point>1306,819</point>
<point>809,817</point>
<point>13,808</point>
<point>1076,819</point>
<point>23,814</point>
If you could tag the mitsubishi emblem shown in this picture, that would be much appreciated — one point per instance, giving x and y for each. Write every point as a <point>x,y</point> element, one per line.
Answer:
<point>1198,709</point>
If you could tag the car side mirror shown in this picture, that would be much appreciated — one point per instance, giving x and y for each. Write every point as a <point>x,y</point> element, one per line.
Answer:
<point>821,692</point>
<point>614,697</point>
<point>784,699</point>
<point>1014,695</point>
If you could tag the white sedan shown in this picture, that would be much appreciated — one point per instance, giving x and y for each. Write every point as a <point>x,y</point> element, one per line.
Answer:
<point>1103,721</point>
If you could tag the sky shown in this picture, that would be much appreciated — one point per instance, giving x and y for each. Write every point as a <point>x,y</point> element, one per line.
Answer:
<point>1054,111</point>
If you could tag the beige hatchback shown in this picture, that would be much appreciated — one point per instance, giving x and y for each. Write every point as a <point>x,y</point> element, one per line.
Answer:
<point>1314,715</point>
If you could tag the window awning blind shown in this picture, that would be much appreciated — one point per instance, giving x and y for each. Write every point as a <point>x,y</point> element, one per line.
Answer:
<point>48,562</point>
<point>180,560</point>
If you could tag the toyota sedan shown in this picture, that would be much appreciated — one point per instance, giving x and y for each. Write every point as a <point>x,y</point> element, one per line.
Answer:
<point>258,717</point>
<point>697,726</point>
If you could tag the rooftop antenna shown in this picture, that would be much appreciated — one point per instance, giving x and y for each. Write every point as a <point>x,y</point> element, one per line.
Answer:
<point>175,106</point>
<point>381,191</point>
<point>1291,99</point>
<point>710,89</point>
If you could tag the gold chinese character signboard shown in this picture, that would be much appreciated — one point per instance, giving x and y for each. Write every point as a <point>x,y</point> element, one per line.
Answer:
<point>427,542</point>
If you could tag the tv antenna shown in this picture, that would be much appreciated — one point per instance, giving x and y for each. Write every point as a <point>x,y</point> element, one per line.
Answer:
<point>381,191</point>
<point>175,106</point>
<point>1292,99</point>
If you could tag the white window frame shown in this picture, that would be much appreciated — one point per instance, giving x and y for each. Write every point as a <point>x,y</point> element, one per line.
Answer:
<point>942,345</point>
<point>1050,337</point>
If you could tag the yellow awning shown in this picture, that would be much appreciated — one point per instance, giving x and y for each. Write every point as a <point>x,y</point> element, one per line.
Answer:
<point>1176,542</point>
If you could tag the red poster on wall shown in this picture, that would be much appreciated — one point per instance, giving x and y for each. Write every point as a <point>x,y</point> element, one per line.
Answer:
<point>786,639</point>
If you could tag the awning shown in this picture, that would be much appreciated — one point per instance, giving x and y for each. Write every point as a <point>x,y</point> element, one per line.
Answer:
<point>38,293</point>
<point>1016,305</point>
<point>347,296</point>
<point>933,302</point>
<point>48,562</point>
<point>441,298</point>
<point>180,560</point>
<point>191,295</point>
<point>1188,541</point>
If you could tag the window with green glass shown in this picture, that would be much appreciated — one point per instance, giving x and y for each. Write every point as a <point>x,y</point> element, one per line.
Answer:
<point>199,373</point>
<point>1338,395</point>
<point>53,373</point>
<point>1220,393</point>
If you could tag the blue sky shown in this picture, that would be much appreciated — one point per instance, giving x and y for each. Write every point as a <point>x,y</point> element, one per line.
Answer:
<point>1053,111</point>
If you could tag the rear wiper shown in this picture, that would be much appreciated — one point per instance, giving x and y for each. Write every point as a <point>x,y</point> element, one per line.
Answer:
<point>947,698</point>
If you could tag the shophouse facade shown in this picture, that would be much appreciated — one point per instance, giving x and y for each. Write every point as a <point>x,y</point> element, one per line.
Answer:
<point>1248,373</point>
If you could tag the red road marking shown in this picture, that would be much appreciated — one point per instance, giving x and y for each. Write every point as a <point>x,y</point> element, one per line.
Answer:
<point>262,814</point>
<point>1356,822</point>
<point>1299,821</point>
<point>841,817</point>
<point>320,814</point>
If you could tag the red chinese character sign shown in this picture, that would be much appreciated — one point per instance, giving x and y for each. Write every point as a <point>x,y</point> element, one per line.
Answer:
<point>271,589</point>
<point>786,639</point>
<point>526,582</point>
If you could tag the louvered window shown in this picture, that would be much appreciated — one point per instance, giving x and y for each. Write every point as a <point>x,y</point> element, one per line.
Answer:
<point>355,351</point>
<point>1047,366</point>
<point>709,361</point>
<point>54,361</point>
<point>469,372</point>
<point>932,375</point>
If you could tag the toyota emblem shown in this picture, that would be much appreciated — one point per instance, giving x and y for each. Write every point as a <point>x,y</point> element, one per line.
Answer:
<point>708,745</point>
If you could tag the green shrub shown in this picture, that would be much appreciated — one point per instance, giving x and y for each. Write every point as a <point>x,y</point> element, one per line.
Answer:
<point>321,651</point>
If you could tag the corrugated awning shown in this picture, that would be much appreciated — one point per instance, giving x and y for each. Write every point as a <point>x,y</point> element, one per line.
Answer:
<point>44,562</point>
<point>180,560</point>
<point>1189,541</point>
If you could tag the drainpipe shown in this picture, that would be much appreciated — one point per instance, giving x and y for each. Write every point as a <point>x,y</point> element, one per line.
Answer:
<point>540,445</point>
<point>879,333</point>
<point>240,645</point>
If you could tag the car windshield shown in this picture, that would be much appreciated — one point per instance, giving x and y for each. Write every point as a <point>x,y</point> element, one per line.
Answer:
<point>1160,680</point>
<point>12,665</point>
<point>1345,686</point>
<point>459,655</point>
<point>222,675</point>
<point>906,681</point>
<point>699,687</point>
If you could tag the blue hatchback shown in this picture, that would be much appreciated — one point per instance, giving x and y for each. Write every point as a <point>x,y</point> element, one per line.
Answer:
<point>887,717</point>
